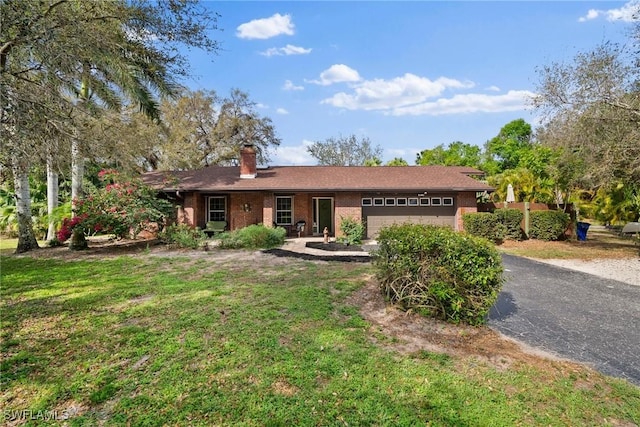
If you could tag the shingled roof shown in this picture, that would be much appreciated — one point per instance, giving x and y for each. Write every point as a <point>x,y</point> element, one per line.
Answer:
<point>321,178</point>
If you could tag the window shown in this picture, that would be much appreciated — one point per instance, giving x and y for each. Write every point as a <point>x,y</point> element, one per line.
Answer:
<point>401,202</point>
<point>366,202</point>
<point>378,201</point>
<point>284,210</point>
<point>390,201</point>
<point>447,201</point>
<point>425,201</point>
<point>413,201</point>
<point>436,201</point>
<point>217,209</point>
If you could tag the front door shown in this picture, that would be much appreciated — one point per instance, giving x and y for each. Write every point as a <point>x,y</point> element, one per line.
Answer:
<point>322,214</point>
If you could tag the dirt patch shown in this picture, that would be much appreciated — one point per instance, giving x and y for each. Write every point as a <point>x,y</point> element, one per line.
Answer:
<point>284,388</point>
<point>410,333</point>
<point>99,247</point>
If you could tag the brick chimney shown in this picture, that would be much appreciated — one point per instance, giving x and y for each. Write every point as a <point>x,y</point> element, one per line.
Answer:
<point>248,162</point>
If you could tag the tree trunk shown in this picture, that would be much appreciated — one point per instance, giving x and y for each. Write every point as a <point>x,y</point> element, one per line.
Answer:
<point>77,159</point>
<point>78,242</point>
<point>77,174</point>
<point>52,197</point>
<point>26,237</point>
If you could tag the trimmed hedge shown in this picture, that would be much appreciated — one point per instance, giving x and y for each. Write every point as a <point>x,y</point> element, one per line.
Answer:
<point>548,225</point>
<point>511,220</point>
<point>484,224</point>
<point>253,237</point>
<point>438,272</point>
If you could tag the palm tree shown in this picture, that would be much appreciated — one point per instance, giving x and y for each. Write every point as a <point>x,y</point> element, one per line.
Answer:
<point>78,56</point>
<point>527,186</point>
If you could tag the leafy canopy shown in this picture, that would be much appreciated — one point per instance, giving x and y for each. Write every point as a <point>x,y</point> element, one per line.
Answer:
<point>455,154</point>
<point>344,151</point>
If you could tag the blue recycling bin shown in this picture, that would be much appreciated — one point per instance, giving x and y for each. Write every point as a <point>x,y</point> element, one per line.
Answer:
<point>581,230</point>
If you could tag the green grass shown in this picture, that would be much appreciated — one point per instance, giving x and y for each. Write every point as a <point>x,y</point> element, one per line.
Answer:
<point>9,245</point>
<point>147,341</point>
<point>600,244</point>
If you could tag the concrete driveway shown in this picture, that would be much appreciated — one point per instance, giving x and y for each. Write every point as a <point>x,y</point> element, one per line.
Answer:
<point>571,314</point>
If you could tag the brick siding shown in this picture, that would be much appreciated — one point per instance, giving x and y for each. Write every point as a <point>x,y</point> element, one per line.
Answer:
<point>347,205</point>
<point>466,203</point>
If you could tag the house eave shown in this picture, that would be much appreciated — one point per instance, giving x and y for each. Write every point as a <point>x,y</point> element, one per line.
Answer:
<point>329,190</point>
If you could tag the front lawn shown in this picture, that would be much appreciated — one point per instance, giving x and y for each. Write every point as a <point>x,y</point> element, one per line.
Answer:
<point>245,338</point>
<point>601,243</point>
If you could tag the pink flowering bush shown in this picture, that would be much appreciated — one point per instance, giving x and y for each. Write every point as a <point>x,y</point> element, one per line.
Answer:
<point>123,207</point>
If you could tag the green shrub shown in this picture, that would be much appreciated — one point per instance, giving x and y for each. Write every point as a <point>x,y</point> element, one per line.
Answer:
<point>53,243</point>
<point>438,272</point>
<point>511,220</point>
<point>353,231</point>
<point>183,236</point>
<point>548,225</point>
<point>253,237</point>
<point>484,224</point>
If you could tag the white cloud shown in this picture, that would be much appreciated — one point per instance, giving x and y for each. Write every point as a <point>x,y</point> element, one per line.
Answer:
<point>592,14</point>
<point>288,85</point>
<point>380,94</point>
<point>293,155</point>
<point>493,89</point>
<point>624,13</point>
<point>514,100</point>
<point>282,111</point>
<point>337,73</point>
<point>262,106</point>
<point>285,51</point>
<point>266,28</point>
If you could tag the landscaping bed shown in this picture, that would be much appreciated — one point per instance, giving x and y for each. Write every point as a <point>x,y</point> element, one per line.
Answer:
<point>334,247</point>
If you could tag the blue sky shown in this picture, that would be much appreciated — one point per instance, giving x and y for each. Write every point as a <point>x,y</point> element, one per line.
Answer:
<point>407,75</point>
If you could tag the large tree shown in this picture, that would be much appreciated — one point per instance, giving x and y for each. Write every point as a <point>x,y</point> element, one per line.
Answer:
<point>202,129</point>
<point>344,151</point>
<point>455,154</point>
<point>397,161</point>
<point>591,111</point>
<point>84,56</point>
<point>507,149</point>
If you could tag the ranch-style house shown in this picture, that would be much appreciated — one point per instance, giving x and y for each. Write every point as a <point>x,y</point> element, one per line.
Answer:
<point>320,196</point>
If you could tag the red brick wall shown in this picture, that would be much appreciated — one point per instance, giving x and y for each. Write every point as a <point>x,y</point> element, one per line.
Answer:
<point>347,205</point>
<point>188,209</point>
<point>199,211</point>
<point>466,203</point>
<point>238,216</point>
<point>194,209</point>
<point>248,162</point>
<point>302,211</point>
